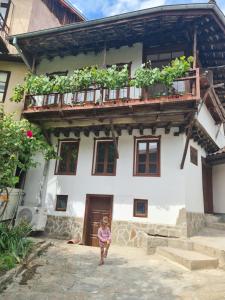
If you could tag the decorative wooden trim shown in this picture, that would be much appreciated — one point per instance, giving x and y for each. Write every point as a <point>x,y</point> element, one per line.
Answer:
<point>86,215</point>
<point>60,141</point>
<point>6,84</point>
<point>93,173</point>
<point>135,214</point>
<point>151,138</point>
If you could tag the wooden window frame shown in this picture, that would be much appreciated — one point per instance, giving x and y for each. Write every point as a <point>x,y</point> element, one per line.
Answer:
<point>77,141</point>
<point>135,160</point>
<point>193,156</point>
<point>61,209</point>
<point>96,141</point>
<point>7,14</point>
<point>135,213</point>
<point>6,84</point>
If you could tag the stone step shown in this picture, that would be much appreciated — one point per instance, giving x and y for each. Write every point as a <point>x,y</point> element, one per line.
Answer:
<point>219,226</point>
<point>180,244</point>
<point>190,259</point>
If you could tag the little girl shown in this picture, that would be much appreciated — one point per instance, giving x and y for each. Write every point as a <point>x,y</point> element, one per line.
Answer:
<point>104,237</point>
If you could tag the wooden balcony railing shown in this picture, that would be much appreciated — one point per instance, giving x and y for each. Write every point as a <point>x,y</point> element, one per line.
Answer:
<point>186,88</point>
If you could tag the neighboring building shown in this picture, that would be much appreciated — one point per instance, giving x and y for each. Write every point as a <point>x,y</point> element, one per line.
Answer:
<point>19,16</point>
<point>161,183</point>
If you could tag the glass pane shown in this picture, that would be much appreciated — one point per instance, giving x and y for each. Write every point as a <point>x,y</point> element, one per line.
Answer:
<point>163,56</point>
<point>112,94</point>
<point>64,150</point>
<point>142,147</point>
<point>90,96</point>
<point>73,159</point>
<point>3,77</point>
<point>141,168</point>
<point>111,155</point>
<point>153,152</point>
<point>142,158</point>
<point>1,97</point>
<point>100,152</point>
<point>100,168</point>
<point>177,54</point>
<point>140,208</point>
<point>61,202</point>
<point>2,87</point>
<point>152,57</point>
<point>153,169</point>
<point>110,168</point>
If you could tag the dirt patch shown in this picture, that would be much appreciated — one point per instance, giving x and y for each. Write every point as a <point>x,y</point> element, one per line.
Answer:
<point>29,274</point>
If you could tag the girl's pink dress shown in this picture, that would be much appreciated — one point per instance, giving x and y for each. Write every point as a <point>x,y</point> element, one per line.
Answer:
<point>103,236</point>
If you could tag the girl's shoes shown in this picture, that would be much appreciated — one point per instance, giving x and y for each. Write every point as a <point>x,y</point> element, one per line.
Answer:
<point>101,263</point>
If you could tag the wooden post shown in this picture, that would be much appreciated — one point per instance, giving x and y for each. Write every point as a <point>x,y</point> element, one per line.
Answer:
<point>187,143</point>
<point>195,49</point>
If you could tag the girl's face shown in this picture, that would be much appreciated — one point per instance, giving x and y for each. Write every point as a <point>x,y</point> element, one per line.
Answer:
<point>103,225</point>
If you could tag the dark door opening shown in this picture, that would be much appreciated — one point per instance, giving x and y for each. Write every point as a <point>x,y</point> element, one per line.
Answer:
<point>97,206</point>
<point>207,187</point>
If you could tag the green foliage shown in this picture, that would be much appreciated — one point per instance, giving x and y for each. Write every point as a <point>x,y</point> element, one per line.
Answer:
<point>18,149</point>
<point>110,78</point>
<point>146,76</point>
<point>14,244</point>
<point>79,80</point>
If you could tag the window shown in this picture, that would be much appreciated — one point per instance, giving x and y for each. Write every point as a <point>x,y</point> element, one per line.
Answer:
<point>4,10</point>
<point>163,59</point>
<point>61,202</point>
<point>68,151</point>
<point>147,157</point>
<point>194,155</point>
<point>104,158</point>
<point>140,208</point>
<point>4,79</point>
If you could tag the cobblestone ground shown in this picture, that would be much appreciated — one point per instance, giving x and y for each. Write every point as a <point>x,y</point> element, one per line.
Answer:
<point>72,272</point>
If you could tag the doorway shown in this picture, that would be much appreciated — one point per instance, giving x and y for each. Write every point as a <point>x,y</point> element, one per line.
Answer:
<point>97,206</point>
<point>207,187</point>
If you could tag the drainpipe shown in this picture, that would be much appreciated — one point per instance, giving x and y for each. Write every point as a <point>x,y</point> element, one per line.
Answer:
<point>21,54</point>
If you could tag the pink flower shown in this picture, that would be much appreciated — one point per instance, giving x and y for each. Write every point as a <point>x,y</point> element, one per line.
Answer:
<point>29,134</point>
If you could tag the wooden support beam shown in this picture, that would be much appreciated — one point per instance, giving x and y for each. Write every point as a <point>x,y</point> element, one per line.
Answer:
<point>141,129</point>
<point>154,130</point>
<point>187,143</point>
<point>129,130</point>
<point>76,133</point>
<point>96,132</point>
<point>114,140</point>
<point>56,132</point>
<point>66,132</point>
<point>107,131</point>
<point>86,132</point>
<point>195,49</point>
<point>167,128</point>
<point>118,131</point>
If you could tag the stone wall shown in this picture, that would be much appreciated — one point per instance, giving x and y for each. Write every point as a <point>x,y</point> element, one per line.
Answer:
<point>64,227</point>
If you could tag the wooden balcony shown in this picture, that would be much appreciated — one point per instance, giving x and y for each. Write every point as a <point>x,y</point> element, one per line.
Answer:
<point>184,89</point>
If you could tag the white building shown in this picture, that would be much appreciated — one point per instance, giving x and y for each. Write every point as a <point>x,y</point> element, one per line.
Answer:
<point>164,180</point>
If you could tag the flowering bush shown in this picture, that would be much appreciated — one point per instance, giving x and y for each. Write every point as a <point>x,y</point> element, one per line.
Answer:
<point>19,141</point>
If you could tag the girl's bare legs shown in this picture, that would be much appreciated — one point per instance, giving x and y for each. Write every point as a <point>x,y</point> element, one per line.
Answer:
<point>102,257</point>
<point>106,250</point>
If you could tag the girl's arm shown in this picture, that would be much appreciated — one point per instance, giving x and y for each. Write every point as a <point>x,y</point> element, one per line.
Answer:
<point>110,235</point>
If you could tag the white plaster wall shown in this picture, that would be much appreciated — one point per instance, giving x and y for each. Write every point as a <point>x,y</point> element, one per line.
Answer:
<point>215,131</point>
<point>70,63</point>
<point>193,181</point>
<point>219,188</point>
<point>165,194</point>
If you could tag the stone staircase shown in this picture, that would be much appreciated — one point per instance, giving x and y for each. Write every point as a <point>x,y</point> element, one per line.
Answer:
<point>189,254</point>
<point>203,251</point>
